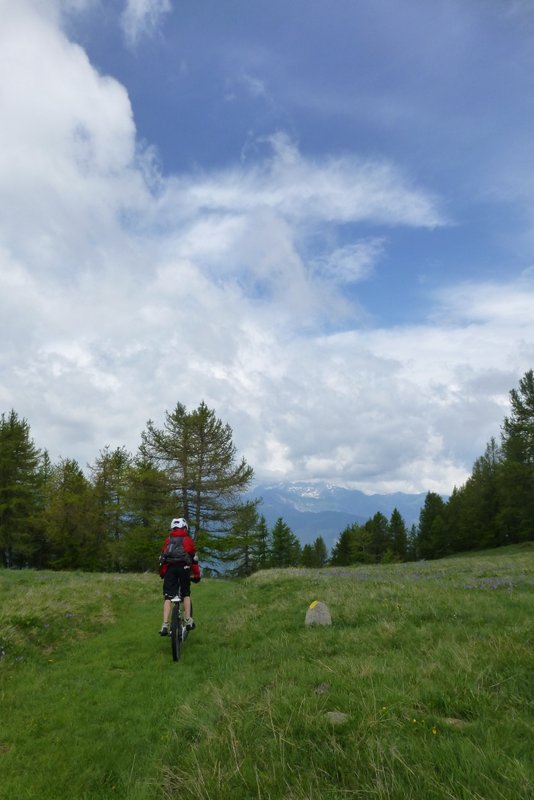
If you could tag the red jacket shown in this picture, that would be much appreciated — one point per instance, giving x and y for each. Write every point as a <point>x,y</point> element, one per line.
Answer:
<point>189,545</point>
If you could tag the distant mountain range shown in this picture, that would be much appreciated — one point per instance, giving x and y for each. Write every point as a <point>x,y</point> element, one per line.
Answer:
<point>321,509</point>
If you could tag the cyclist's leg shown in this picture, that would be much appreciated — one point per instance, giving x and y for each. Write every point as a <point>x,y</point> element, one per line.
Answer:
<point>171,585</point>
<point>185,589</point>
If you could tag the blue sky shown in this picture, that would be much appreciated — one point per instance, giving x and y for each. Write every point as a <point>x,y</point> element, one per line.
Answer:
<point>317,217</point>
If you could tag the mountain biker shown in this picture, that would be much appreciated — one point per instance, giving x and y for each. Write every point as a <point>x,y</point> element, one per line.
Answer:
<point>176,559</point>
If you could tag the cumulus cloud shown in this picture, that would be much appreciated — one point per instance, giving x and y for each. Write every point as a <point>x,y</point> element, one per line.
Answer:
<point>124,291</point>
<point>143,17</point>
<point>67,147</point>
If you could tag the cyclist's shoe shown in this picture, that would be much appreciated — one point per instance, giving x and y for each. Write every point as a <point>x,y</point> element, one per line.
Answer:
<point>164,630</point>
<point>189,624</point>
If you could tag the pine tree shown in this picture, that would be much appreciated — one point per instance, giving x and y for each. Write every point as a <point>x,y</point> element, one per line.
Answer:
<point>379,531</point>
<point>286,550</point>
<point>472,512</point>
<point>411,549</point>
<point>150,507</point>
<point>315,555</point>
<point>398,534</point>
<point>69,520</point>
<point>431,538</point>
<point>110,488</point>
<point>343,550</point>
<point>308,557</point>
<point>516,473</point>
<point>321,552</point>
<point>242,544</point>
<point>362,544</point>
<point>19,491</point>
<point>263,555</point>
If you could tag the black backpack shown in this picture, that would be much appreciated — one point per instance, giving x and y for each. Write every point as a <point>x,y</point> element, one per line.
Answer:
<point>175,552</point>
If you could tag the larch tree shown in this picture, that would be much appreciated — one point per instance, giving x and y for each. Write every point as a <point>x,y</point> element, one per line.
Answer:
<point>196,451</point>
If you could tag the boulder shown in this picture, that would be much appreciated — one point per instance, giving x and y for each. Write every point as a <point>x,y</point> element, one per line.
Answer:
<point>318,613</point>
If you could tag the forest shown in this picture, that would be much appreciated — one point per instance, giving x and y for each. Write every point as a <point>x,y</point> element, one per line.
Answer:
<point>114,515</point>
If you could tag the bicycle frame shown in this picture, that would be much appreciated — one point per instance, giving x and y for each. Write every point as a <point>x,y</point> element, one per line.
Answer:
<point>178,629</point>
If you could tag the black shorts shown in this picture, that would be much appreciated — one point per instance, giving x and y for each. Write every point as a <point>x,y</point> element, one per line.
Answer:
<point>177,580</point>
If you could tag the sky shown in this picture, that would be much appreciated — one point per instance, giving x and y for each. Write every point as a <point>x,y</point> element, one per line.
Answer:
<point>317,217</point>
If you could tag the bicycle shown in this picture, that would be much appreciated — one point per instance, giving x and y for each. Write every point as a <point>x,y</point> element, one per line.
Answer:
<point>178,628</point>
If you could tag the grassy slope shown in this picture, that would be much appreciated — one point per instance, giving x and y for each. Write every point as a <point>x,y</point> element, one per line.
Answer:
<point>431,664</point>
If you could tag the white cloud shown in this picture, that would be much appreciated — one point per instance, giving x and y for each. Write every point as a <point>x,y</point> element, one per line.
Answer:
<point>67,147</point>
<point>342,189</point>
<point>124,291</point>
<point>353,262</point>
<point>143,17</point>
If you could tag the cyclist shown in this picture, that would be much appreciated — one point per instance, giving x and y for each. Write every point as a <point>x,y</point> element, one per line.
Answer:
<point>176,559</point>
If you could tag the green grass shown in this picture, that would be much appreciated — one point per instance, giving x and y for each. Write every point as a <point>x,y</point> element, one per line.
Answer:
<point>430,664</point>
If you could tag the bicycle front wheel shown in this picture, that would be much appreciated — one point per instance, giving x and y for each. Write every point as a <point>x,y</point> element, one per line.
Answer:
<point>176,631</point>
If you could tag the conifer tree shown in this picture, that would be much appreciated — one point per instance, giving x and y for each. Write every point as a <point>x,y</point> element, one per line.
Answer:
<point>315,555</point>
<point>308,557</point>
<point>19,491</point>
<point>286,549</point>
<point>343,550</point>
<point>431,538</point>
<point>197,453</point>
<point>263,555</point>
<point>362,546</point>
<point>150,507</point>
<point>516,473</point>
<point>242,543</point>
<point>379,532</point>
<point>109,475</point>
<point>398,535</point>
<point>69,520</point>
<point>473,511</point>
<point>320,551</point>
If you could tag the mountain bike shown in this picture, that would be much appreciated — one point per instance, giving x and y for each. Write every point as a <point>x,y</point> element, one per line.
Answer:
<point>178,629</point>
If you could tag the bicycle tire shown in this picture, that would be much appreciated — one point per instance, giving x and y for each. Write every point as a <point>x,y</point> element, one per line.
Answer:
<point>176,631</point>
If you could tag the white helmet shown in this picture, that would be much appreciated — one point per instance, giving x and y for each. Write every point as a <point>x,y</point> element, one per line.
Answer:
<point>180,522</point>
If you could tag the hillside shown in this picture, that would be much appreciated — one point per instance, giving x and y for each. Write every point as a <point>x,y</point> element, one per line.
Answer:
<point>313,509</point>
<point>421,687</point>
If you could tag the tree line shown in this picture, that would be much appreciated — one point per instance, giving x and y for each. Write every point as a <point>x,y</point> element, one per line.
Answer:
<point>493,508</point>
<point>114,515</point>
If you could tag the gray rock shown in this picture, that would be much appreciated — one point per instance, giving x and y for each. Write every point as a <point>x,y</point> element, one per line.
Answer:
<point>336,717</point>
<point>318,613</point>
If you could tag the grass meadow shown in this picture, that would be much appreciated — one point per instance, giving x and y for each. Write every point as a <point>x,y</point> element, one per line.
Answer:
<point>421,689</point>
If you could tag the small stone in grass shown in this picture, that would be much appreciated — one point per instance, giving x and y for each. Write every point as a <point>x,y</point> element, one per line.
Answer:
<point>336,717</point>
<point>318,613</point>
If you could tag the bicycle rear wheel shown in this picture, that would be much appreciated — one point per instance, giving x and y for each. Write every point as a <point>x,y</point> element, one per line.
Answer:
<point>176,631</point>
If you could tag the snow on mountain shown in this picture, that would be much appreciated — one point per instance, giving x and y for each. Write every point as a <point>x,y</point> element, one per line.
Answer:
<point>313,509</point>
